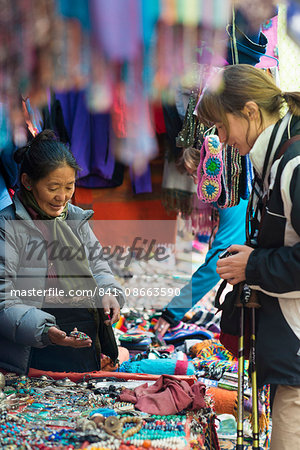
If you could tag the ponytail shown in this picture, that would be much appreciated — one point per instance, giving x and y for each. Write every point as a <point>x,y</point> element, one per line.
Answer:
<point>292,100</point>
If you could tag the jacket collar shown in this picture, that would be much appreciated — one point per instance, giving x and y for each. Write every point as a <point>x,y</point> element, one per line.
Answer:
<point>258,152</point>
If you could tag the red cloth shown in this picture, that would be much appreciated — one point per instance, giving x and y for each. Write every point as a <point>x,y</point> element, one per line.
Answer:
<point>167,395</point>
<point>231,343</point>
<point>158,116</point>
<point>181,367</point>
<point>78,376</point>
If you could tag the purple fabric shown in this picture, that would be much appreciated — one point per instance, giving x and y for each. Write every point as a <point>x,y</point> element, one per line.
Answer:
<point>91,145</point>
<point>117,28</point>
<point>142,183</point>
<point>168,395</point>
<point>89,134</point>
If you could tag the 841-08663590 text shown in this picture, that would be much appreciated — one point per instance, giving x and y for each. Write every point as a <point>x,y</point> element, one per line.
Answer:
<point>142,291</point>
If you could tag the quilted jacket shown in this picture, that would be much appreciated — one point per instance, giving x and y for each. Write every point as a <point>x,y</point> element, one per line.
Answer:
<point>22,321</point>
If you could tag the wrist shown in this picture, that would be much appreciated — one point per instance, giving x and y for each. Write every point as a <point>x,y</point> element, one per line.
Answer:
<point>170,318</point>
<point>45,334</point>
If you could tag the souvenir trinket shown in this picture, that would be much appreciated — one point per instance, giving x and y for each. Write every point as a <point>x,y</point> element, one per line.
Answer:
<point>79,335</point>
<point>2,380</point>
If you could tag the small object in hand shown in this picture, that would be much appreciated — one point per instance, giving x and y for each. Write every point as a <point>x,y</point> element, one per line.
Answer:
<point>225,254</point>
<point>79,335</point>
<point>158,339</point>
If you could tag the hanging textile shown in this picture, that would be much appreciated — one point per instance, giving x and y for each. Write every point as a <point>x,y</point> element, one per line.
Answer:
<point>89,140</point>
<point>53,118</point>
<point>269,28</point>
<point>178,188</point>
<point>8,167</point>
<point>75,9</point>
<point>92,146</point>
<point>33,118</point>
<point>117,30</point>
<point>131,121</point>
<point>248,39</point>
<point>289,56</point>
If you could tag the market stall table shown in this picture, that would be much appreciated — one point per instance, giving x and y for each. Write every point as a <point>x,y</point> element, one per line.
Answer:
<point>43,413</point>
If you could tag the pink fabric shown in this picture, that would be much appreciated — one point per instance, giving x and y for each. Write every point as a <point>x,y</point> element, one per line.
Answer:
<point>167,395</point>
<point>271,34</point>
<point>181,367</point>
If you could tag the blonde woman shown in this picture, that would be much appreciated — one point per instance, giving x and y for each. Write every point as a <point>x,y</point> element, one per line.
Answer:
<point>246,106</point>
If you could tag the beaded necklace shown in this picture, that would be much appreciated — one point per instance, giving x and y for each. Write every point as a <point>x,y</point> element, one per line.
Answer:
<point>65,415</point>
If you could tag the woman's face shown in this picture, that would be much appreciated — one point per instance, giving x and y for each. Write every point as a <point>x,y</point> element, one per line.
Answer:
<point>192,173</point>
<point>242,134</point>
<point>54,191</point>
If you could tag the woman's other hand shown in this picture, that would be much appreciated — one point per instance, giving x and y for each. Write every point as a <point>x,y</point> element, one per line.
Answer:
<point>59,337</point>
<point>233,268</point>
<point>111,309</point>
<point>161,326</point>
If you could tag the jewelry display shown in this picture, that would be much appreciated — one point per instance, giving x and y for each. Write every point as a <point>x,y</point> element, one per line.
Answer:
<point>47,414</point>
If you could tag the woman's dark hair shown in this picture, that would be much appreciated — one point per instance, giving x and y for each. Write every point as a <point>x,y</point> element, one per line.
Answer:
<point>42,155</point>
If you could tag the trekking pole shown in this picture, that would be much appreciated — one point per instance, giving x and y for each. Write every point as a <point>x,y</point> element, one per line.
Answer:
<point>241,364</point>
<point>253,305</point>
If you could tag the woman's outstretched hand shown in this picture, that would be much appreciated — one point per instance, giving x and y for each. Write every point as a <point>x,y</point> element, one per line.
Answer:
<point>161,326</point>
<point>59,337</point>
<point>111,309</point>
<point>233,268</point>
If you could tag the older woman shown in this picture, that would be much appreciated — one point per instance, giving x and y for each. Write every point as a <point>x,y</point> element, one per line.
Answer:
<point>50,275</point>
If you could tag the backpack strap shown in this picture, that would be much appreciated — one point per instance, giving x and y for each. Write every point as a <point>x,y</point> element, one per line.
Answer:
<point>279,153</point>
<point>218,295</point>
<point>286,145</point>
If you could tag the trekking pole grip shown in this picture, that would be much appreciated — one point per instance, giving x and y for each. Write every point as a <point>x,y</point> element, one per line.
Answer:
<point>253,301</point>
<point>247,297</point>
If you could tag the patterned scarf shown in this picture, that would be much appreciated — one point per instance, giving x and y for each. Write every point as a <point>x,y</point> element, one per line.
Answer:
<point>65,251</point>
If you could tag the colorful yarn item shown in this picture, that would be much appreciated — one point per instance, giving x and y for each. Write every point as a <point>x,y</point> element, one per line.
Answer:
<point>231,175</point>
<point>264,420</point>
<point>210,170</point>
<point>121,324</point>
<point>158,367</point>
<point>213,356</point>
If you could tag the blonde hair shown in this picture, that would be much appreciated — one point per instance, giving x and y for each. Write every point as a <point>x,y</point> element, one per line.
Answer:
<point>189,160</point>
<point>240,84</point>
